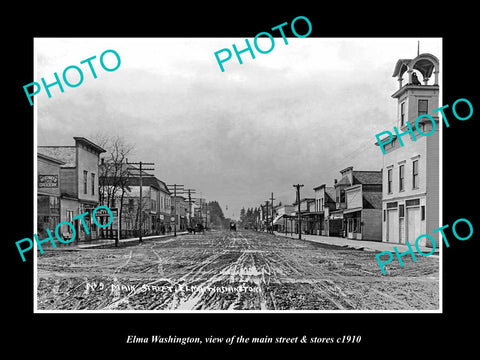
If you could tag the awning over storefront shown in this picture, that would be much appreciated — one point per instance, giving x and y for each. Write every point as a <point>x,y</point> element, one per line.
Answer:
<point>284,216</point>
<point>349,211</point>
<point>278,218</point>
<point>338,214</point>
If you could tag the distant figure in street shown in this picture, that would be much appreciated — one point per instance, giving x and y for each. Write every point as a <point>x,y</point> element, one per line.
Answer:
<point>233,226</point>
<point>415,80</point>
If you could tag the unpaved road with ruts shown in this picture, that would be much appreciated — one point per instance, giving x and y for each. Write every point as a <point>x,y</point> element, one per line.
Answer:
<point>222,270</point>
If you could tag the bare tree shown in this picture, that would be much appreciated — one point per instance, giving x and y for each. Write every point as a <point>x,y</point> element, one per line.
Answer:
<point>132,216</point>
<point>114,174</point>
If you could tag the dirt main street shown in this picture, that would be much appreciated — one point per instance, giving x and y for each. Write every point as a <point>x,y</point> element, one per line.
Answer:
<point>223,270</point>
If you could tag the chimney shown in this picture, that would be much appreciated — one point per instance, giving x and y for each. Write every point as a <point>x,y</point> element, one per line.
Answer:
<point>334,181</point>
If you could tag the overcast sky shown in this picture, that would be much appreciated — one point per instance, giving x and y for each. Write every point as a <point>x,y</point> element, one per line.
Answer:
<point>298,114</point>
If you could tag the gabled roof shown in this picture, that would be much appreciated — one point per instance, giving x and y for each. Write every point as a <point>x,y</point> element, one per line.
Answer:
<point>367,177</point>
<point>319,187</point>
<point>308,200</point>
<point>148,181</point>
<point>48,158</point>
<point>361,177</point>
<point>163,186</point>
<point>330,191</point>
<point>90,144</point>
<point>372,199</point>
<point>66,154</point>
<point>343,181</point>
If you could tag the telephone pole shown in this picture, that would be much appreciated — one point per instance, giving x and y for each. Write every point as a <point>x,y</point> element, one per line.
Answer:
<point>141,168</point>
<point>298,186</point>
<point>266,215</point>
<point>190,192</point>
<point>271,228</point>
<point>175,205</point>
<point>201,206</point>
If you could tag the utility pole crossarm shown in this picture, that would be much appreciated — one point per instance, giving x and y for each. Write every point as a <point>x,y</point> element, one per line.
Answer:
<point>141,169</point>
<point>175,188</point>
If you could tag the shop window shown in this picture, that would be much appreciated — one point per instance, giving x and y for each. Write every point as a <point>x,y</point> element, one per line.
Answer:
<point>413,202</point>
<point>43,204</point>
<point>70,216</point>
<point>54,205</point>
<point>43,222</point>
<point>353,225</point>
<point>392,205</point>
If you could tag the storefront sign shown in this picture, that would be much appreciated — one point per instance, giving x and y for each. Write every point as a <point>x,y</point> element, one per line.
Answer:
<point>48,181</point>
